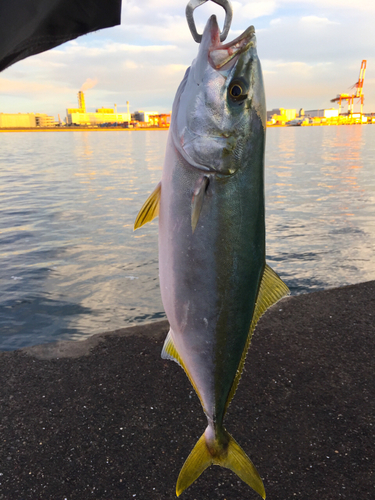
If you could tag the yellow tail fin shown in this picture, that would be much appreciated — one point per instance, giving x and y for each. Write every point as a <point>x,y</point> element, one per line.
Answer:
<point>230,455</point>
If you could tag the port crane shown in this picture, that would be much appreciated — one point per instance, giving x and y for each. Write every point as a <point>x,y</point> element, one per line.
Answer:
<point>358,93</point>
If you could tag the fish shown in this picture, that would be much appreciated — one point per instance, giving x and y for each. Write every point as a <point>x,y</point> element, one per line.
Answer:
<point>214,280</point>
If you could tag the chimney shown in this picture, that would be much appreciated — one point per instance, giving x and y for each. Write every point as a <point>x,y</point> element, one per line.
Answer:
<point>81,101</point>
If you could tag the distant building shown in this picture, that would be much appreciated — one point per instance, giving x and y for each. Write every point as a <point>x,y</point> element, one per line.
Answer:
<point>152,118</point>
<point>105,110</point>
<point>144,116</point>
<point>96,118</point>
<point>79,116</point>
<point>42,120</point>
<point>278,115</point>
<point>322,113</point>
<point>26,120</point>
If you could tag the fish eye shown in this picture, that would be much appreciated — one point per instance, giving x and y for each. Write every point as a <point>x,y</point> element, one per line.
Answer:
<point>236,91</point>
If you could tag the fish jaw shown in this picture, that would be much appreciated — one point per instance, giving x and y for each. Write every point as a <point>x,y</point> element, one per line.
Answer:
<point>210,126</point>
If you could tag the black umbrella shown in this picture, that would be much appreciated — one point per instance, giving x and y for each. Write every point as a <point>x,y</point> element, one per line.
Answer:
<point>28,27</point>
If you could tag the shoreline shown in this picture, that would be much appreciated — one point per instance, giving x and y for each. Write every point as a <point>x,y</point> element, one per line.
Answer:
<point>138,129</point>
<point>80,129</point>
<point>108,418</point>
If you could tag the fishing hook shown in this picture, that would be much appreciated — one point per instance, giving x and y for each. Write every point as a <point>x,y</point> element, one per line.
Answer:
<point>193,4</point>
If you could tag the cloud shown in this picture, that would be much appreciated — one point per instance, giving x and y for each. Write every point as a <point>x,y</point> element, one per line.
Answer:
<point>254,9</point>
<point>89,84</point>
<point>310,51</point>
<point>337,5</point>
<point>316,21</point>
<point>14,86</point>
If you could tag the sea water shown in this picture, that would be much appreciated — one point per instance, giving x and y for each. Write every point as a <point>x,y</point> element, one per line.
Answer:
<point>71,265</point>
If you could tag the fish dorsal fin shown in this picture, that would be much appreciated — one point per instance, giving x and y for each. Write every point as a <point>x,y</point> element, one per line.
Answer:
<point>170,352</point>
<point>271,290</point>
<point>150,208</point>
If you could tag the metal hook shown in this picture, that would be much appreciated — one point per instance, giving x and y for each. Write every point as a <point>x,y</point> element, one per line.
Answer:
<point>193,4</point>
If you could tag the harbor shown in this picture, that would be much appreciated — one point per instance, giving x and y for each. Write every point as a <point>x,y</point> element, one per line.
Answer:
<point>110,119</point>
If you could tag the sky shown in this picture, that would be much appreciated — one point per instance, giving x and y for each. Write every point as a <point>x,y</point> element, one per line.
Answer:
<point>310,51</point>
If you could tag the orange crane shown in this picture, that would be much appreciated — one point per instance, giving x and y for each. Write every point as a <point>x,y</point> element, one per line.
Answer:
<point>358,94</point>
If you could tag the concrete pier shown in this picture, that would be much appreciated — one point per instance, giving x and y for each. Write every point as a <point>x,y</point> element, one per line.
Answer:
<point>107,418</point>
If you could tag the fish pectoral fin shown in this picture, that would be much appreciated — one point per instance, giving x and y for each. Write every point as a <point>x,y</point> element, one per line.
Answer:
<point>229,455</point>
<point>150,208</point>
<point>271,290</point>
<point>197,200</point>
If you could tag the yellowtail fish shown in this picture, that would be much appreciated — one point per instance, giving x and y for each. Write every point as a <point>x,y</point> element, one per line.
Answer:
<point>214,280</point>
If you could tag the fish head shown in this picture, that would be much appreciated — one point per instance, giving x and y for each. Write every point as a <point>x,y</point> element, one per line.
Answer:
<point>220,103</point>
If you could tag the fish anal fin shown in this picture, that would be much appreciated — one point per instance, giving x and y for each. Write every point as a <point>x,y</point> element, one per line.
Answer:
<point>224,452</point>
<point>169,351</point>
<point>197,200</point>
<point>271,290</point>
<point>150,208</point>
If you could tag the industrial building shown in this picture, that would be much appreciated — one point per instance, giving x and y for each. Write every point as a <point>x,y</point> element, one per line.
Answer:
<point>151,118</point>
<point>26,120</point>
<point>320,113</point>
<point>280,116</point>
<point>79,116</point>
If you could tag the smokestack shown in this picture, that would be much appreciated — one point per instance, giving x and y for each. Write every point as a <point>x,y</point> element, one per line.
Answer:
<point>81,101</point>
<point>116,109</point>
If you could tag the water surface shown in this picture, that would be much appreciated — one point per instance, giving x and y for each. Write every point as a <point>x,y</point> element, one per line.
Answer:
<point>71,265</point>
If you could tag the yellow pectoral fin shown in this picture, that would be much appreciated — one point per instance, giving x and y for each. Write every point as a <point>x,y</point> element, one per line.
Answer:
<point>150,208</point>
<point>271,290</point>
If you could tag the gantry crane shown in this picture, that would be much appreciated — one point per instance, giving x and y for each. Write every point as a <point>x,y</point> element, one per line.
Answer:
<point>358,94</point>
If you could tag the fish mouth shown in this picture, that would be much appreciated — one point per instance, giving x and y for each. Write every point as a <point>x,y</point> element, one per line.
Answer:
<point>220,55</point>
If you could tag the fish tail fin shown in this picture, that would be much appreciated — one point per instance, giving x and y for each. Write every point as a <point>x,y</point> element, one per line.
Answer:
<point>224,451</point>
<point>196,463</point>
<point>238,462</point>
